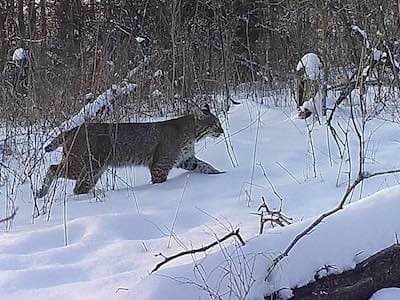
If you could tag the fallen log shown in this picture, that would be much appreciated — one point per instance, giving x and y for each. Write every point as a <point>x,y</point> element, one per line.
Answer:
<point>381,270</point>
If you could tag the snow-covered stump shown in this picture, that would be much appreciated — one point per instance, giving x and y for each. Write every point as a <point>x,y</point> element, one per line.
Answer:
<point>15,72</point>
<point>309,75</point>
<point>20,57</point>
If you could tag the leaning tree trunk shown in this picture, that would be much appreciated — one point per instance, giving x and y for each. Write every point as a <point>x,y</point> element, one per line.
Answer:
<point>382,270</point>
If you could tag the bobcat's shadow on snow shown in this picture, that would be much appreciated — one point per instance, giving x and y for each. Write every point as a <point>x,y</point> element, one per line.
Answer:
<point>172,184</point>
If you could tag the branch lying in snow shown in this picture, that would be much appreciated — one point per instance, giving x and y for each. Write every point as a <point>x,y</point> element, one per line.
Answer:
<point>314,224</point>
<point>374,273</point>
<point>202,249</point>
<point>10,217</point>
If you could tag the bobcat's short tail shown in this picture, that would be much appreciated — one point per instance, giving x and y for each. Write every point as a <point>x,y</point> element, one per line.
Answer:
<point>57,142</point>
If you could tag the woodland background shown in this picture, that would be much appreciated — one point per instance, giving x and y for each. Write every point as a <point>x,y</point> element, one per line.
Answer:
<point>78,48</point>
<point>181,53</point>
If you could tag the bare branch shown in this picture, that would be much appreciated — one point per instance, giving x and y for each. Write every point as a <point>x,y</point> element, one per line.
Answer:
<point>273,216</point>
<point>10,217</point>
<point>202,249</point>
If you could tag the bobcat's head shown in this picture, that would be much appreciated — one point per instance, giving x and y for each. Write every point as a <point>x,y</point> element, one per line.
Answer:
<point>207,124</point>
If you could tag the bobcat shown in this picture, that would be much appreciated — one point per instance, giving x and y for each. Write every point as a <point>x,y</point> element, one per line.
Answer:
<point>90,148</point>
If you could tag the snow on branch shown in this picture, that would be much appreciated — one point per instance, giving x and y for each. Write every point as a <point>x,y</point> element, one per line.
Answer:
<point>375,54</point>
<point>374,273</point>
<point>375,57</point>
<point>311,66</point>
<point>362,34</point>
<point>103,102</point>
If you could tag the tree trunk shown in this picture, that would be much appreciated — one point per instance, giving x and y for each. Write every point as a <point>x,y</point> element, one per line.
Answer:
<point>270,12</point>
<point>3,43</point>
<point>398,15</point>
<point>32,19</point>
<point>92,11</point>
<point>43,19</point>
<point>21,19</point>
<point>381,270</point>
<point>224,65</point>
<point>324,88</point>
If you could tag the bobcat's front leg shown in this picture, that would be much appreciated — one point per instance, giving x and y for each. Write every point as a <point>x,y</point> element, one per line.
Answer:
<point>52,173</point>
<point>159,172</point>
<point>197,165</point>
<point>87,181</point>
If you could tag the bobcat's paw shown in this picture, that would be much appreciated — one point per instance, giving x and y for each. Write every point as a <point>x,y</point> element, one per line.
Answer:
<point>207,169</point>
<point>217,172</point>
<point>158,180</point>
<point>221,172</point>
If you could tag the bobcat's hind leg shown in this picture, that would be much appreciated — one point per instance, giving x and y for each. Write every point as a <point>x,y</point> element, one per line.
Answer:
<point>197,165</point>
<point>51,174</point>
<point>163,162</point>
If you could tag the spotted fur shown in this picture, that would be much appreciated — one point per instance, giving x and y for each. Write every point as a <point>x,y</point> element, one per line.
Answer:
<point>90,148</point>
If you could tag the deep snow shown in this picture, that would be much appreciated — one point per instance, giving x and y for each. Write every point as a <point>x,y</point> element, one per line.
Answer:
<point>114,239</point>
<point>387,294</point>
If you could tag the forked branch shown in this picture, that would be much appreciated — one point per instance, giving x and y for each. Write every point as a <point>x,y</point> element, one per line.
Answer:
<point>273,216</point>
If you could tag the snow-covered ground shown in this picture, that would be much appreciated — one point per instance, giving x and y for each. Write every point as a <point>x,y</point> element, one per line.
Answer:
<point>387,294</point>
<point>114,240</point>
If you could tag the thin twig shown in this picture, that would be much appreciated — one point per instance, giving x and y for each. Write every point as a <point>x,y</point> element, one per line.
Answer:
<point>271,185</point>
<point>288,172</point>
<point>177,211</point>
